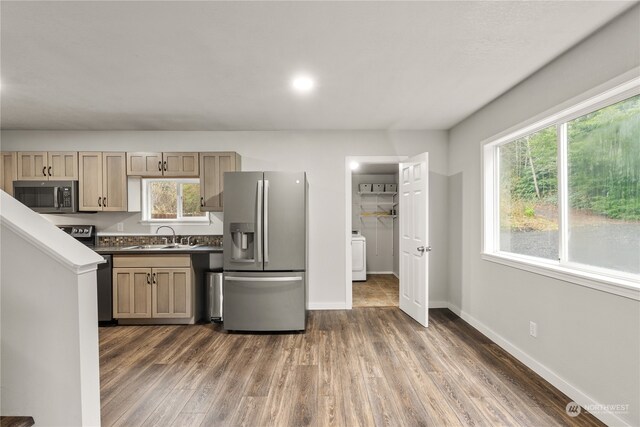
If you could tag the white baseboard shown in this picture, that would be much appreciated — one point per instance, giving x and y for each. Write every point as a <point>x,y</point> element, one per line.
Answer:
<point>438,304</point>
<point>397,275</point>
<point>327,306</point>
<point>560,383</point>
<point>380,272</point>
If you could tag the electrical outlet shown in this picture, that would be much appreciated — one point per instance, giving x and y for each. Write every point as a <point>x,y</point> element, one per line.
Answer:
<point>120,226</point>
<point>533,329</point>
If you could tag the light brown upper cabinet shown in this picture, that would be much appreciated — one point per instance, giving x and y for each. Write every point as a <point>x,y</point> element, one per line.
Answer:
<point>103,181</point>
<point>32,166</point>
<point>212,169</point>
<point>40,165</point>
<point>144,164</point>
<point>8,171</point>
<point>180,164</point>
<point>62,165</point>
<point>162,164</point>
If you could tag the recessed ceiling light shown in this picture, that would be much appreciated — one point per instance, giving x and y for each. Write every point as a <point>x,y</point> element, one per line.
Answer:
<point>354,165</point>
<point>303,84</point>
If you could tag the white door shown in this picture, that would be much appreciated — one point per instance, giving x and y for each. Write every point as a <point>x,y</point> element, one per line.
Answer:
<point>414,237</point>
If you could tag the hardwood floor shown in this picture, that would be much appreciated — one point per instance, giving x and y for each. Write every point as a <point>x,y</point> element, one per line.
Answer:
<point>363,367</point>
<point>380,290</point>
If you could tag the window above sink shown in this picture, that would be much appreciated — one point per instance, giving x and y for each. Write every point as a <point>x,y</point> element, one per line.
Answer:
<point>171,201</point>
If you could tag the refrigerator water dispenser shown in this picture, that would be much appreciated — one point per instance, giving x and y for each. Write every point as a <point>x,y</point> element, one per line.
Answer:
<point>243,236</point>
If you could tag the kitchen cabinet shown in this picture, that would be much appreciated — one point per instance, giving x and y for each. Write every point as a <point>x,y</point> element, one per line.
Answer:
<point>103,182</point>
<point>171,292</point>
<point>42,165</point>
<point>180,164</point>
<point>132,292</point>
<point>154,287</point>
<point>212,169</point>
<point>162,164</point>
<point>144,164</point>
<point>62,165</point>
<point>8,171</point>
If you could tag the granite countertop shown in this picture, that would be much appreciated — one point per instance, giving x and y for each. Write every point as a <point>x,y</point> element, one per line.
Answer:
<point>122,250</point>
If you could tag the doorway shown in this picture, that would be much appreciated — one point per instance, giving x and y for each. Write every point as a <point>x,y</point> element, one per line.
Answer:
<point>375,239</point>
<point>373,232</point>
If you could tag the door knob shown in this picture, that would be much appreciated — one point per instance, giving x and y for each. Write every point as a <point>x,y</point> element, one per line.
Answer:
<point>424,249</point>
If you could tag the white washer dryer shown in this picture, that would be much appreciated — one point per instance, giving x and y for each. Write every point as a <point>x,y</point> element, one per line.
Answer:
<point>358,257</point>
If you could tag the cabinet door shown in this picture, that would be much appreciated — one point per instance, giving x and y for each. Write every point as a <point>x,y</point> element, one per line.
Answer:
<point>212,169</point>
<point>180,164</point>
<point>144,164</point>
<point>171,292</point>
<point>131,293</point>
<point>62,165</point>
<point>90,182</point>
<point>114,182</point>
<point>8,171</point>
<point>32,166</point>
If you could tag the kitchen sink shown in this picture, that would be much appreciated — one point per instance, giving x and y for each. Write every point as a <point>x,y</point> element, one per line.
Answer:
<point>159,247</point>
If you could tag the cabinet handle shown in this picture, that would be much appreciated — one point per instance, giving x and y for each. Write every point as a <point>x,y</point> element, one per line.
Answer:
<point>154,277</point>
<point>164,165</point>
<point>49,170</point>
<point>201,202</point>
<point>104,202</point>
<point>160,166</point>
<point>148,278</point>
<point>100,201</point>
<point>44,171</point>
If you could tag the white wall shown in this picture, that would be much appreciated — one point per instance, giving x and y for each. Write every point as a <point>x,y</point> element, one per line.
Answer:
<point>321,154</point>
<point>49,324</point>
<point>382,242</point>
<point>588,341</point>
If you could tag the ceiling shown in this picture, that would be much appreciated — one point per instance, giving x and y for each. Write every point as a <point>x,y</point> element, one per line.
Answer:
<point>226,65</point>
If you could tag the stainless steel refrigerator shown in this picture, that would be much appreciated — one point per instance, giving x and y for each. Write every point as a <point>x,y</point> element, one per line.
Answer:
<point>265,251</point>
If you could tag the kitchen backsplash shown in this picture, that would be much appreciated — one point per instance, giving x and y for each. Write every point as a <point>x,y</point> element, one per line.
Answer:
<point>129,240</point>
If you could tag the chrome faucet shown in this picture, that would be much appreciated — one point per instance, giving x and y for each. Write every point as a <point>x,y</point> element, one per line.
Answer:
<point>172,230</point>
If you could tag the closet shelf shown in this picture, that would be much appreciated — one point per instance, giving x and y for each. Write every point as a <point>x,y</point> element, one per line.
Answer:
<point>378,204</point>
<point>378,193</point>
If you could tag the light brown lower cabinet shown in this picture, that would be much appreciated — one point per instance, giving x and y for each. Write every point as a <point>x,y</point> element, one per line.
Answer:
<point>131,292</point>
<point>171,292</point>
<point>144,290</point>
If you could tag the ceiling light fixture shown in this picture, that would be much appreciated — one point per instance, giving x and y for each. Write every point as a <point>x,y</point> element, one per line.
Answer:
<point>354,165</point>
<point>303,84</point>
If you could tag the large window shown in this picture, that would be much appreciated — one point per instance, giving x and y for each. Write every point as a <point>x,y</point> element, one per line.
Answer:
<point>172,200</point>
<point>565,192</point>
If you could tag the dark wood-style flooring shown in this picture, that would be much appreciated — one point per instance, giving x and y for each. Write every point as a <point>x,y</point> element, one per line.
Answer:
<point>363,367</point>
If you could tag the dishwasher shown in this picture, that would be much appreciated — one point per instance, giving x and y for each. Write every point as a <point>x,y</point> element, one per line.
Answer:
<point>105,292</point>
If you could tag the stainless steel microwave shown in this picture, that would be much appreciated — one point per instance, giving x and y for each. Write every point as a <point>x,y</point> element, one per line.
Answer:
<point>48,196</point>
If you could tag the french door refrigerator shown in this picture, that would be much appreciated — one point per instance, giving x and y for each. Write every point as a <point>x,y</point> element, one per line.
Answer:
<point>265,251</point>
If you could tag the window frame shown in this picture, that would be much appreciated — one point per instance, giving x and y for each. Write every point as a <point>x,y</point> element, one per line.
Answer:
<point>612,281</point>
<point>146,204</point>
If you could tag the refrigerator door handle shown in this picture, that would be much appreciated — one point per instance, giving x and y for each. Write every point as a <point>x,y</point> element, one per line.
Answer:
<point>263,279</point>
<point>259,222</point>
<point>266,221</point>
